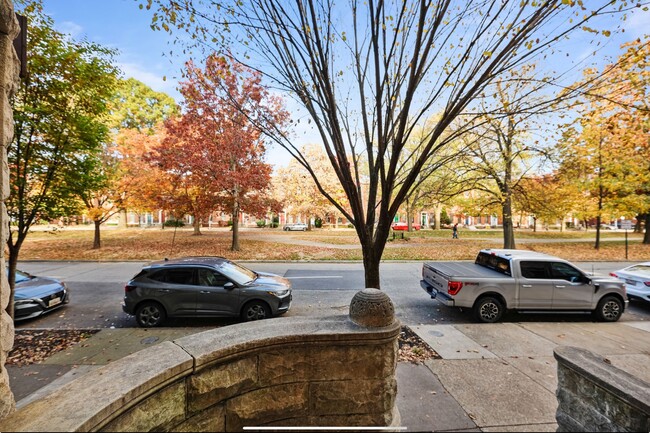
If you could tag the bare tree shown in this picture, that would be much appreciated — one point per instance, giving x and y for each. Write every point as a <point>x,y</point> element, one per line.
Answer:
<point>367,72</point>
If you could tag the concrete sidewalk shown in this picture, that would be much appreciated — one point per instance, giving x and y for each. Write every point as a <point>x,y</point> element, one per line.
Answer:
<point>491,377</point>
<point>503,377</point>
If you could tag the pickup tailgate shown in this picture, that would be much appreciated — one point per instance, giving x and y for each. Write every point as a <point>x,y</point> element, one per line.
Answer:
<point>436,275</point>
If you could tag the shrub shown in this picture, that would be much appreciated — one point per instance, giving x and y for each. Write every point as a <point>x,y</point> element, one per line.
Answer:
<point>172,222</point>
<point>261,223</point>
<point>318,223</point>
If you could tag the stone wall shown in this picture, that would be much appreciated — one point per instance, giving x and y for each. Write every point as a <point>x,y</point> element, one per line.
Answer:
<point>279,372</point>
<point>593,395</point>
<point>9,68</point>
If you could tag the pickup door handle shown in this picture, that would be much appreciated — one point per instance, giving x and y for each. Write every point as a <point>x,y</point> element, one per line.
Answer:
<point>527,285</point>
<point>560,287</point>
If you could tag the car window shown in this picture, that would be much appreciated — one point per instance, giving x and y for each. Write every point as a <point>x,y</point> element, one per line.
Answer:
<point>567,272</point>
<point>211,278</point>
<point>642,269</point>
<point>534,270</point>
<point>237,273</point>
<point>494,262</point>
<point>183,276</point>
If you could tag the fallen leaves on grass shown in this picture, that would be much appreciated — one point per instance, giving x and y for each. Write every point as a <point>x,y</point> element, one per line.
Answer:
<point>31,347</point>
<point>413,349</point>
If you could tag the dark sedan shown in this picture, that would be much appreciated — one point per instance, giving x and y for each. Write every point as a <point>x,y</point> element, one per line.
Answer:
<point>204,287</point>
<point>36,296</point>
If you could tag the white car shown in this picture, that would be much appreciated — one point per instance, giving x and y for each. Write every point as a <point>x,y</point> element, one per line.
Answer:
<point>637,280</point>
<point>295,226</point>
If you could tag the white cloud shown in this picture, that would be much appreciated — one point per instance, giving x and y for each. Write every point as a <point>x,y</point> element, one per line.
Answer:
<point>156,82</point>
<point>71,28</point>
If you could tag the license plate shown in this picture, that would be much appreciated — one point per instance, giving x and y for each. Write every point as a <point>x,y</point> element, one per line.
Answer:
<point>630,282</point>
<point>53,302</point>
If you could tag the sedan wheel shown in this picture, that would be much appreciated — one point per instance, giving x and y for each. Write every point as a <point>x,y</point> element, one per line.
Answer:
<point>488,310</point>
<point>609,309</point>
<point>255,310</point>
<point>150,314</point>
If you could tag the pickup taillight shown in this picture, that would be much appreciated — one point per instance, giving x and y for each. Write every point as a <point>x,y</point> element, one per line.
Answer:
<point>453,287</point>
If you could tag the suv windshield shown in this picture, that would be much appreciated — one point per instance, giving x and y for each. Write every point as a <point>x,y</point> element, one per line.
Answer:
<point>237,273</point>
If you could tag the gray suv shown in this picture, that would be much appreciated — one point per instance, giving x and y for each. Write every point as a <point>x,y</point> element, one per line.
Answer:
<point>204,287</point>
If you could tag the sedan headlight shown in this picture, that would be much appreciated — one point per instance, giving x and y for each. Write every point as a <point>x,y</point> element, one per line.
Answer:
<point>24,302</point>
<point>278,293</point>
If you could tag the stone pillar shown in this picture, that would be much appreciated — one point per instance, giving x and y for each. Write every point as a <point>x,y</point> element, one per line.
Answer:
<point>9,68</point>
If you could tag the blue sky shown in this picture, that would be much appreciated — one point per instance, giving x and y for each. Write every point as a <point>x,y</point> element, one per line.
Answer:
<point>144,53</point>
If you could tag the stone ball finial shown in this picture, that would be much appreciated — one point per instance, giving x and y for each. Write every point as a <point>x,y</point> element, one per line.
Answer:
<point>372,308</point>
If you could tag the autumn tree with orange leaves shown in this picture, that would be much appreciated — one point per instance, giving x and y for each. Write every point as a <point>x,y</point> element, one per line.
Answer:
<point>607,148</point>
<point>213,155</point>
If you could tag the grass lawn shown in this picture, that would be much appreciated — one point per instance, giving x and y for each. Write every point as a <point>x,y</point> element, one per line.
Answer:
<point>75,243</point>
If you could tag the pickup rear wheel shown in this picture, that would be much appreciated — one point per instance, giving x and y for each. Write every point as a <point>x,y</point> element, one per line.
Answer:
<point>609,309</point>
<point>488,310</point>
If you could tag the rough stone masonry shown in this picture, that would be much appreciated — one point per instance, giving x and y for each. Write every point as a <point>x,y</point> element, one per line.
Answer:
<point>9,69</point>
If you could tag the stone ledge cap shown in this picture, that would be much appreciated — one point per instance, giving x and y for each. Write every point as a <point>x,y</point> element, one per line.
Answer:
<point>624,385</point>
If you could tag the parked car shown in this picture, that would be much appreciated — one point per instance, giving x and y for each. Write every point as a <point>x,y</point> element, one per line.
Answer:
<point>35,296</point>
<point>501,279</point>
<point>404,226</point>
<point>637,280</point>
<point>204,287</point>
<point>294,227</point>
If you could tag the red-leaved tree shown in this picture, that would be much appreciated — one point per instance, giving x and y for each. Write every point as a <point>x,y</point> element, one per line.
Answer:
<point>214,152</point>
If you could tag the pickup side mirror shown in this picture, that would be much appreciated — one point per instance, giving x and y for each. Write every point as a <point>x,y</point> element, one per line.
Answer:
<point>229,285</point>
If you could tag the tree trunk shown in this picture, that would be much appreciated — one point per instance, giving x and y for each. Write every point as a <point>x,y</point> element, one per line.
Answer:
<point>438,213</point>
<point>196,223</point>
<point>646,236</point>
<point>97,241</point>
<point>14,250</point>
<point>123,222</point>
<point>508,228</point>
<point>597,246</point>
<point>562,224</point>
<point>371,267</point>
<point>235,226</point>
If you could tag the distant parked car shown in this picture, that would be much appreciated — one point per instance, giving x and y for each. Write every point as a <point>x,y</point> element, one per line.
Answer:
<point>204,287</point>
<point>36,296</point>
<point>295,227</point>
<point>637,280</point>
<point>404,226</point>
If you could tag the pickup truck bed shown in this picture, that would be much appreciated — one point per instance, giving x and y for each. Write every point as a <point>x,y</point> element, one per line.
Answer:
<point>462,269</point>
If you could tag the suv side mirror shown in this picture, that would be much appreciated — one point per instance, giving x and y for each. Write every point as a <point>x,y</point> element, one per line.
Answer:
<point>229,285</point>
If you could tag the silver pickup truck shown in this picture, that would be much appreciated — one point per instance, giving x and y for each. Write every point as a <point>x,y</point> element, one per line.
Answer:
<point>522,280</point>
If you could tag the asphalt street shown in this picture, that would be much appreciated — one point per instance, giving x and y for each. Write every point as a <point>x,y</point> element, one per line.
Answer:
<point>319,289</point>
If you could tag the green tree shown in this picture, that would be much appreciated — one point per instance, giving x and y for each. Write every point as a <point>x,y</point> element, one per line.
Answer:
<point>366,73</point>
<point>137,106</point>
<point>58,114</point>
